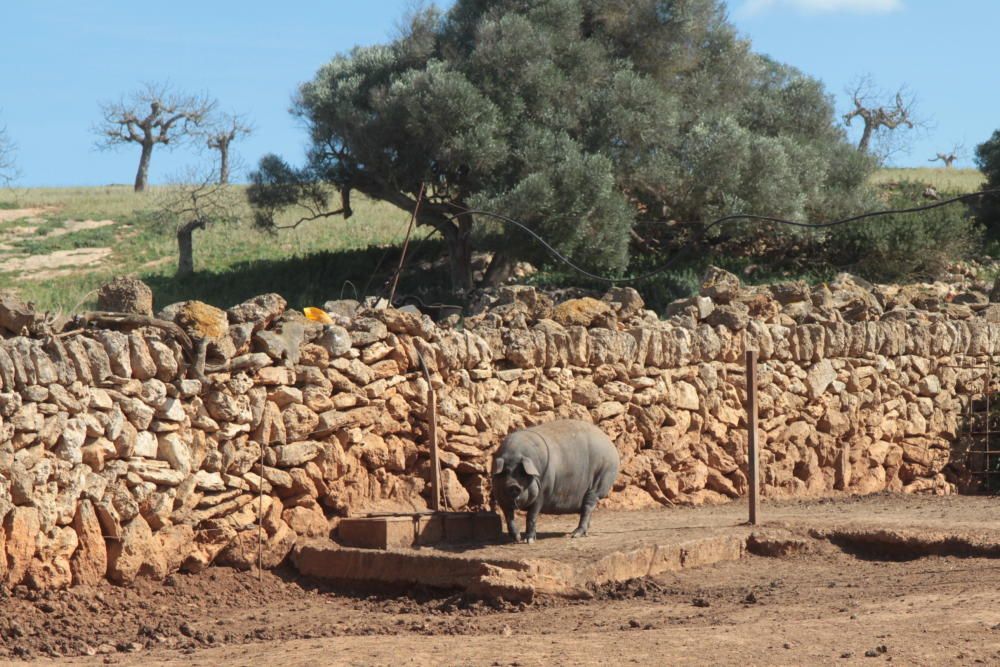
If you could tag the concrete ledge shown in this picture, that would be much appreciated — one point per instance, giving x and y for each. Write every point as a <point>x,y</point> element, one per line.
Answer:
<point>409,530</point>
<point>518,579</point>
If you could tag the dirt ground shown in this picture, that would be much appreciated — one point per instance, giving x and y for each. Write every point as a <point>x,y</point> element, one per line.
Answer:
<point>825,607</point>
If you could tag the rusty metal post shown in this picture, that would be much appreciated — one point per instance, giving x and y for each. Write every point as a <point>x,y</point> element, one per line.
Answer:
<point>753,456</point>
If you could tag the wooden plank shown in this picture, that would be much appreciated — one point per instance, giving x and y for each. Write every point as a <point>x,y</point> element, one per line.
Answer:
<point>753,456</point>
<point>435,461</point>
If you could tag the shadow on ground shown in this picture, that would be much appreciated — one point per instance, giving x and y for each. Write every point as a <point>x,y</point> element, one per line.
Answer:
<point>307,280</point>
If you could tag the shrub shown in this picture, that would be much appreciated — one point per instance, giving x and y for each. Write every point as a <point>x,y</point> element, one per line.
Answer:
<point>907,245</point>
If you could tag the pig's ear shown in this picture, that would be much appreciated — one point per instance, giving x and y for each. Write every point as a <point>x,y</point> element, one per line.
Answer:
<point>497,466</point>
<point>530,468</point>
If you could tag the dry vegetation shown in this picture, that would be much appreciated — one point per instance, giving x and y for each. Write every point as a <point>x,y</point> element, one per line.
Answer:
<point>232,261</point>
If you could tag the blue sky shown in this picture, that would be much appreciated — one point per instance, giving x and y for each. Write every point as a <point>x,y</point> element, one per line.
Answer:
<point>59,58</point>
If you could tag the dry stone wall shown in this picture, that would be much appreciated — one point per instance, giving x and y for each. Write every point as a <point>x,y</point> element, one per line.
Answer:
<point>118,460</point>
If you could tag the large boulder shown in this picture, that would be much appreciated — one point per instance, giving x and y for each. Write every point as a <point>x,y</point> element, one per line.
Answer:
<point>126,295</point>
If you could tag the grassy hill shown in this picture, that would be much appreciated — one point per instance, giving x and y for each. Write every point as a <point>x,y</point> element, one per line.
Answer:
<point>944,180</point>
<point>58,245</point>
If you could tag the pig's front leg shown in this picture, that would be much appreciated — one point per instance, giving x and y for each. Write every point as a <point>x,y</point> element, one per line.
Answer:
<point>533,512</point>
<point>510,515</point>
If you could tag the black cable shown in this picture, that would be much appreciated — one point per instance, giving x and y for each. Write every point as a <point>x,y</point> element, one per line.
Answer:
<point>729,218</point>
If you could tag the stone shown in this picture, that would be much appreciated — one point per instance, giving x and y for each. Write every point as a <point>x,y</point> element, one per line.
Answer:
<point>20,528</point>
<point>167,367</point>
<point>296,454</point>
<point>275,375</point>
<point>117,348</point>
<point>206,546</point>
<point>137,553</point>
<point>246,550</point>
<point>125,295</point>
<point>50,568</point>
<point>455,495</point>
<point>71,441</point>
<point>367,330</point>
<point>734,316</point>
<point>172,448</point>
<point>336,340</point>
<point>198,319</point>
<point>225,408</point>
<point>626,300</point>
<point>585,392</point>
<point>176,543</point>
<point>929,386</point>
<point>172,410</point>
<point>15,314</point>
<point>719,285</point>
<point>144,445</point>
<point>584,312</point>
<point>819,377</point>
<point>143,366</point>
<point>259,311</point>
<point>209,481</point>
<point>684,396</point>
<point>89,563</point>
<point>300,422</point>
<point>283,344</point>
<point>306,522</point>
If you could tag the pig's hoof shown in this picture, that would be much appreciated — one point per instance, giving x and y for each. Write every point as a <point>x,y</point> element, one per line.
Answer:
<point>530,539</point>
<point>578,533</point>
<point>516,538</point>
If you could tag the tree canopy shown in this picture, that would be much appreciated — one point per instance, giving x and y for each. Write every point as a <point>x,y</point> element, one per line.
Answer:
<point>988,161</point>
<point>578,118</point>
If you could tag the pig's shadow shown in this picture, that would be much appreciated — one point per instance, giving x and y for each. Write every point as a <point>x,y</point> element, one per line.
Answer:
<point>462,547</point>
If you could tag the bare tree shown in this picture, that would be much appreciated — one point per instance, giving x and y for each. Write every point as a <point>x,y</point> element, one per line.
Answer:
<point>949,157</point>
<point>880,117</point>
<point>8,165</point>
<point>226,130</point>
<point>195,201</point>
<point>151,115</point>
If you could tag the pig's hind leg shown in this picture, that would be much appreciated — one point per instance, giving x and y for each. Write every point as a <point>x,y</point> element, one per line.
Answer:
<point>589,503</point>
<point>599,489</point>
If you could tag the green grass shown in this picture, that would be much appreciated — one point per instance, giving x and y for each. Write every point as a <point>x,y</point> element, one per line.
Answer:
<point>944,180</point>
<point>317,261</point>
<point>233,261</point>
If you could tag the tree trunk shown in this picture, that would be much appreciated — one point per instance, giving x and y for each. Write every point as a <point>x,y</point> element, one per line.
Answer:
<point>460,254</point>
<point>866,137</point>
<point>185,246</point>
<point>223,164</point>
<point>142,176</point>
<point>499,269</point>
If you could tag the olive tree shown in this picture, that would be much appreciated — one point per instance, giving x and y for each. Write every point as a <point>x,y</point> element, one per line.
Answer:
<point>152,115</point>
<point>883,117</point>
<point>988,161</point>
<point>219,137</point>
<point>193,201</point>
<point>578,118</point>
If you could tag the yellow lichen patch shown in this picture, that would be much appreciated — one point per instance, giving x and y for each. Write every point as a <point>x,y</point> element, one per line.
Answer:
<point>202,320</point>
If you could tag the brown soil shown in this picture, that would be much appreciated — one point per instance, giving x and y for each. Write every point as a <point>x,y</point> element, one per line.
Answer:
<point>55,260</point>
<point>8,215</point>
<point>818,605</point>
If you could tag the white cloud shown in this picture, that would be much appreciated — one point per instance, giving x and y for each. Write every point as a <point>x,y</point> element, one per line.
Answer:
<point>754,7</point>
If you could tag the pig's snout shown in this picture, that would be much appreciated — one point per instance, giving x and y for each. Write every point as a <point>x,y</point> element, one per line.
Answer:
<point>512,488</point>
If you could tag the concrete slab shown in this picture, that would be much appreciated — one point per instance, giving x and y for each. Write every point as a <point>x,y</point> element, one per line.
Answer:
<point>409,530</point>
<point>628,545</point>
